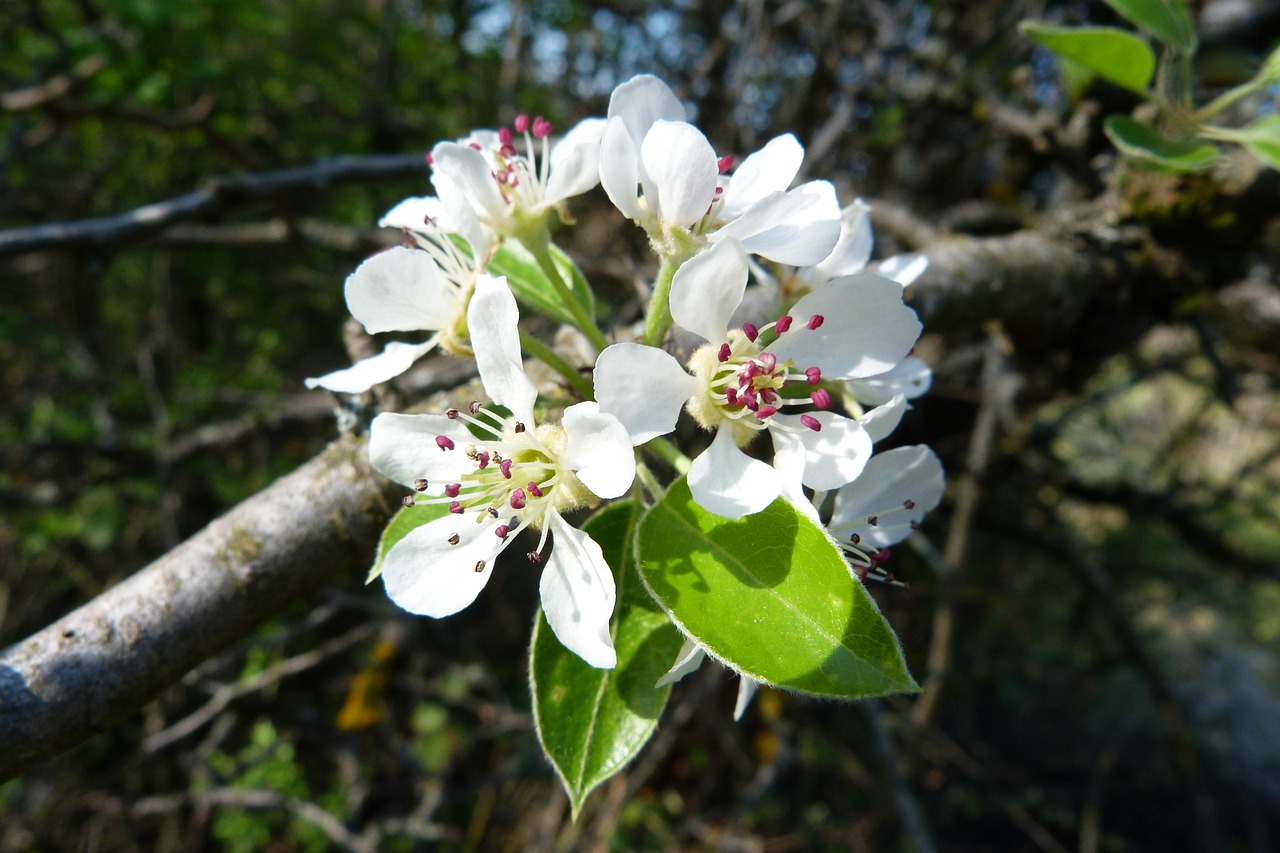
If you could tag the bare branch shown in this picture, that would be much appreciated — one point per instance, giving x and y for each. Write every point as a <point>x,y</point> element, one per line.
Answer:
<point>83,673</point>
<point>113,232</point>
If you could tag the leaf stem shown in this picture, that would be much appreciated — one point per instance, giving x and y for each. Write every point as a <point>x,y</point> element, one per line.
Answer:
<point>550,358</point>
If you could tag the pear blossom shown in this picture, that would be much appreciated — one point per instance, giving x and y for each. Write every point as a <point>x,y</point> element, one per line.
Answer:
<point>512,193</point>
<point>690,657</point>
<point>738,385</point>
<point>662,173</point>
<point>500,474</point>
<point>884,505</point>
<point>406,290</point>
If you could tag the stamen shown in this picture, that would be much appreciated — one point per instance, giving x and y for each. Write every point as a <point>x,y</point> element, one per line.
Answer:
<point>873,520</point>
<point>541,128</point>
<point>505,467</point>
<point>724,353</point>
<point>908,504</point>
<point>534,490</point>
<point>813,374</point>
<point>501,531</point>
<point>452,490</point>
<point>811,422</point>
<point>407,500</point>
<point>821,398</point>
<point>455,508</point>
<point>473,407</point>
<point>454,539</point>
<point>725,163</point>
<point>768,362</point>
<point>479,565</point>
<point>420,485</point>
<point>782,324</point>
<point>765,411</point>
<point>522,123</point>
<point>519,427</point>
<point>750,331</point>
<point>451,414</point>
<point>482,458</point>
<point>518,499</point>
<point>815,321</point>
<point>444,442</point>
<point>534,557</point>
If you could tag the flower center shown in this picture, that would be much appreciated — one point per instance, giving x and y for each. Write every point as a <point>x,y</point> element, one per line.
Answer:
<point>514,478</point>
<point>522,178</point>
<point>746,385</point>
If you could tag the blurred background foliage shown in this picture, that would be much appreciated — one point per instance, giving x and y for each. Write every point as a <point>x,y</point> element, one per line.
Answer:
<point>1107,636</point>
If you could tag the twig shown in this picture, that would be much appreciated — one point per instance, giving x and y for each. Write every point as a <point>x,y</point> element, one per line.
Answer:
<point>913,824</point>
<point>113,232</point>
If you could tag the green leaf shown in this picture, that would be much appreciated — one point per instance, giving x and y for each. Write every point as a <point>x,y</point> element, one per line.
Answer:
<point>401,523</point>
<point>1262,138</point>
<point>531,285</point>
<point>770,595</point>
<point>1167,20</point>
<point>1150,149</point>
<point>590,721</point>
<point>1111,53</point>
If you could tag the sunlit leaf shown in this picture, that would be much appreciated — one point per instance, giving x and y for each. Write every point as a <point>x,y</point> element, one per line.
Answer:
<point>1167,20</point>
<point>1145,145</point>
<point>1112,54</point>
<point>590,721</point>
<point>531,285</point>
<point>401,523</point>
<point>770,595</point>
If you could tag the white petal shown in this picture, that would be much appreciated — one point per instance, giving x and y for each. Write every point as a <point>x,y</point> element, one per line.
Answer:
<point>708,288</point>
<point>641,101</point>
<point>833,455</point>
<point>403,447</point>
<point>424,574</point>
<point>394,359</point>
<point>472,173</point>
<point>492,320</point>
<point>689,659</point>
<point>853,249</point>
<point>746,691</point>
<point>769,170</point>
<point>578,595</point>
<point>728,482</point>
<point>910,377</point>
<point>620,168</point>
<point>399,290</point>
<point>884,419</point>
<point>866,330</point>
<point>643,387</point>
<point>575,161</point>
<point>904,269</point>
<point>798,227</point>
<point>461,216</point>
<point>890,479</point>
<point>680,173</point>
<point>598,449</point>
<point>788,461</point>
<point>417,213</point>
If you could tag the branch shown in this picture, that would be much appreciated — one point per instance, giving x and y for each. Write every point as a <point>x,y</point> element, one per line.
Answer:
<point>85,672</point>
<point>113,232</point>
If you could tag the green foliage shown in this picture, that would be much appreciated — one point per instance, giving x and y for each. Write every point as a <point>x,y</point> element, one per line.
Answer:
<point>1109,53</point>
<point>1145,145</point>
<point>531,285</point>
<point>1166,20</point>
<point>770,595</point>
<point>590,721</point>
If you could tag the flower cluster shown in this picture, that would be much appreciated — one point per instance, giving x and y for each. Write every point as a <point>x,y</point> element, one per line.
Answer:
<point>772,346</point>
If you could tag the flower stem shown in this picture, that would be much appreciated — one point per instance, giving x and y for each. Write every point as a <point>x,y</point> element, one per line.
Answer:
<point>658,318</point>
<point>669,453</point>
<point>541,251</point>
<point>651,485</point>
<point>548,356</point>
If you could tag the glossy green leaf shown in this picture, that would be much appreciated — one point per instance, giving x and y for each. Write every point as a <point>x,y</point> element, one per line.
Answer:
<point>1112,54</point>
<point>1144,144</point>
<point>770,595</point>
<point>590,721</point>
<point>1167,20</point>
<point>1262,137</point>
<point>532,287</point>
<point>401,523</point>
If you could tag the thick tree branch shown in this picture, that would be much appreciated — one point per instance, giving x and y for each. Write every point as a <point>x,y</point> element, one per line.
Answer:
<point>112,232</point>
<point>83,673</point>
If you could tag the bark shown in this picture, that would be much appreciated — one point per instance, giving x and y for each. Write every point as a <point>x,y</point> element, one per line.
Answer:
<point>82,674</point>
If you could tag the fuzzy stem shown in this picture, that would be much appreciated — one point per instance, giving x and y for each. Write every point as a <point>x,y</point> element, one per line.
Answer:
<point>669,453</point>
<point>541,251</point>
<point>550,358</point>
<point>658,318</point>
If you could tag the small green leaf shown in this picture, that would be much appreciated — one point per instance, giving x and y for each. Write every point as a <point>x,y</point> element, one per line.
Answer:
<point>1167,20</point>
<point>401,523</point>
<point>770,595</point>
<point>590,721</point>
<point>1111,53</point>
<point>1262,138</point>
<point>532,287</point>
<point>1150,149</point>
